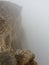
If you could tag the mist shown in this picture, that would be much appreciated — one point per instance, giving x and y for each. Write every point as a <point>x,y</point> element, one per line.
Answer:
<point>35,21</point>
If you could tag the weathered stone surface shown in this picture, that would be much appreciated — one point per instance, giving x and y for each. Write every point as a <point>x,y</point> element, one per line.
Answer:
<point>10,35</point>
<point>18,57</point>
<point>24,56</point>
<point>7,59</point>
<point>10,25</point>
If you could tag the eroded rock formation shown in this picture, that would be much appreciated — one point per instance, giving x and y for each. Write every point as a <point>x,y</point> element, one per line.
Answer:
<point>11,33</point>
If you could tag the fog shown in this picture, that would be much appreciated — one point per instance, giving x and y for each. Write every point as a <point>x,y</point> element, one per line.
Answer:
<point>35,20</point>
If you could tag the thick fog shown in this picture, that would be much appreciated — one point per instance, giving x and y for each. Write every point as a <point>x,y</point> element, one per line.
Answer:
<point>35,20</point>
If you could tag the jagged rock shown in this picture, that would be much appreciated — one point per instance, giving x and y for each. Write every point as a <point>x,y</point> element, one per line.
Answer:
<point>18,57</point>
<point>23,56</point>
<point>10,35</point>
<point>10,25</point>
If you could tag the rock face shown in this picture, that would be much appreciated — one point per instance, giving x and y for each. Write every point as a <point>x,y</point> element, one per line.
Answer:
<point>25,57</point>
<point>10,25</point>
<point>11,34</point>
<point>7,59</point>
